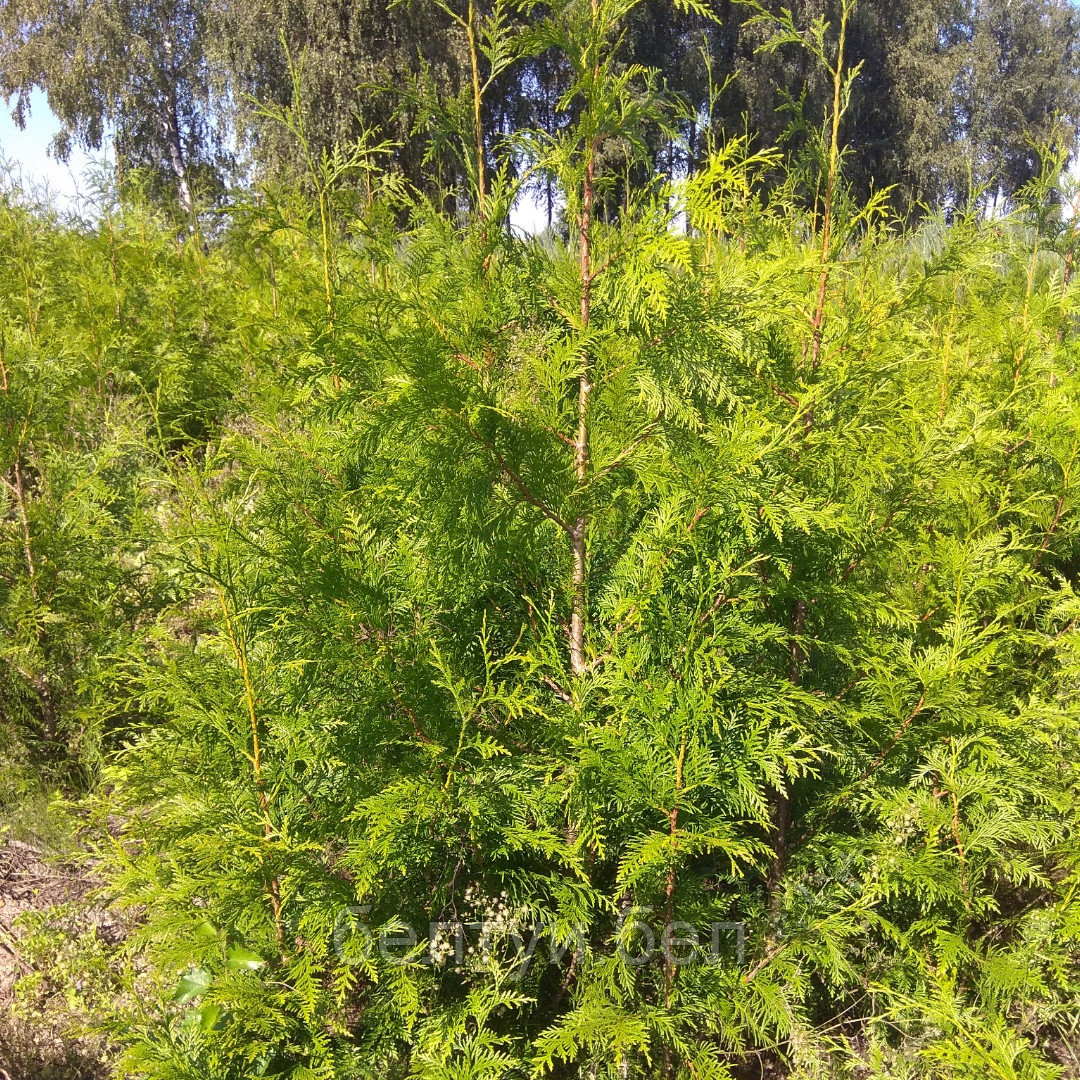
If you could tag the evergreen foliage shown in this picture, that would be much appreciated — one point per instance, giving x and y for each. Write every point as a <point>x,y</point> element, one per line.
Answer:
<point>111,338</point>
<point>708,565</point>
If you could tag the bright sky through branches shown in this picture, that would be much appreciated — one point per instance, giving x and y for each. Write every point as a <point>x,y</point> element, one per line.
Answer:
<point>27,151</point>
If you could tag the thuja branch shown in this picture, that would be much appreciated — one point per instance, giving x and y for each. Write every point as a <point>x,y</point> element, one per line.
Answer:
<point>579,555</point>
<point>870,770</point>
<point>240,652</point>
<point>510,473</point>
<point>1059,508</point>
<point>831,176</point>
<point>621,457</point>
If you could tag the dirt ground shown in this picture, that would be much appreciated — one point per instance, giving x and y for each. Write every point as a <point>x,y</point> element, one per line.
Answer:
<point>39,1040</point>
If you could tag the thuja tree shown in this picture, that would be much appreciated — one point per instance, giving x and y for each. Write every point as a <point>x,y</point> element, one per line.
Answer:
<point>110,338</point>
<point>707,573</point>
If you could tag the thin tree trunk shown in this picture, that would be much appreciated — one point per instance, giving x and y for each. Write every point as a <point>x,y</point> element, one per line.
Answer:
<point>818,320</point>
<point>17,488</point>
<point>581,443</point>
<point>478,120</point>
<point>669,892</point>
<point>171,125</point>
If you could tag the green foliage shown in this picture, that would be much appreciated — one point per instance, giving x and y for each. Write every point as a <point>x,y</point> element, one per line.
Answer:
<point>954,100</point>
<point>710,569</point>
<point>111,339</point>
<point>140,74</point>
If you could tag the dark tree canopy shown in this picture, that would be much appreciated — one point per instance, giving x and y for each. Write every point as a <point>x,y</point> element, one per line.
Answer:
<point>953,97</point>
<point>359,59</point>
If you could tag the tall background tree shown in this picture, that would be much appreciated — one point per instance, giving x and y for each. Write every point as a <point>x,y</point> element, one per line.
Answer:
<point>137,73</point>
<point>360,61</point>
<point>952,95</point>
